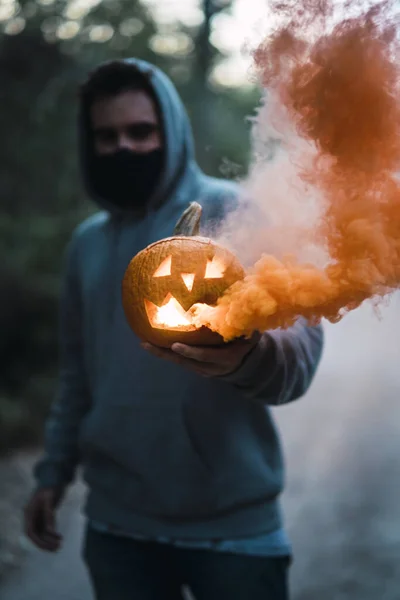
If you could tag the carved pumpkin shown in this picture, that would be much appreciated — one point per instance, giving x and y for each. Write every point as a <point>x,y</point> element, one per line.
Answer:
<point>165,280</point>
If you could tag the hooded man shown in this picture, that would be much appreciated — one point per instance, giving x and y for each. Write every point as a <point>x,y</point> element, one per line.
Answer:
<point>180,454</point>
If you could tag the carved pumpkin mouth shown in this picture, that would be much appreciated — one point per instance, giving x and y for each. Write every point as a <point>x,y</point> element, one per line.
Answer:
<point>170,315</point>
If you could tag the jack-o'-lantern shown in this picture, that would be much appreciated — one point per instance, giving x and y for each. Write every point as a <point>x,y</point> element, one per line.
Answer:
<point>166,279</point>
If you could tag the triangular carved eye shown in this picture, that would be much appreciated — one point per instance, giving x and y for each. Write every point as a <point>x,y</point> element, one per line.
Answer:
<point>215,269</point>
<point>188,280</point>
<point>164,269</point>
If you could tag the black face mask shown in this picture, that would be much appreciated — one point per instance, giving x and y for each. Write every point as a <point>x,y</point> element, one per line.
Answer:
<point>127,179</point>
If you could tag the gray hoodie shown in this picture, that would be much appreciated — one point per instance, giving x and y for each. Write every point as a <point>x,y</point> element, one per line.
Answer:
<point>164,451</point>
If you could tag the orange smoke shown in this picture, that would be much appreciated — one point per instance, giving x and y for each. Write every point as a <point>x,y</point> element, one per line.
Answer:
<point>337,89</point>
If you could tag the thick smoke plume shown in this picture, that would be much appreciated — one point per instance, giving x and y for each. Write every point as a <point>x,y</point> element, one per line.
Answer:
<point>322,222</point>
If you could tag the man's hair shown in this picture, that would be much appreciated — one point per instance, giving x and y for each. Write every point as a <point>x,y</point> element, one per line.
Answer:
<point>113,78</point>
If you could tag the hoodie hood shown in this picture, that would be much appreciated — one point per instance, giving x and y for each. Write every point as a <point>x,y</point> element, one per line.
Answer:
<point>179,160</point>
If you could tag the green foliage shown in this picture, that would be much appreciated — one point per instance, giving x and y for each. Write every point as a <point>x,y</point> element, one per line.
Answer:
<point>41,198</point>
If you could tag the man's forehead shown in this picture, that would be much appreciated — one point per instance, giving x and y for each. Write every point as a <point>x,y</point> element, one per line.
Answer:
<point>132,106</point>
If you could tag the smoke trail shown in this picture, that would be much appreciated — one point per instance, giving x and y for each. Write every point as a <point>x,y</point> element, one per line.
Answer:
<point>327,205</point>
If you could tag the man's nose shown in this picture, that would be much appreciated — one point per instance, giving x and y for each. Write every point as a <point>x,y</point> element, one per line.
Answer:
<point>124,142</point>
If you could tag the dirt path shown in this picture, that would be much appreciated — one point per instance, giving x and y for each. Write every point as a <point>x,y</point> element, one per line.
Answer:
<point>342,502</point>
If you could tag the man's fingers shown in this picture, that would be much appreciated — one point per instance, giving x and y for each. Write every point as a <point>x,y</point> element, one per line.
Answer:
<point>50,536</point>
<point>202,368</point>
<point>34,519</point>
<point>214,355</point>
<point>43,542</point>
<point>49,517</point>
<point>165,353</point>
<point>207,355</point>
<point>30,529</point>
<point>156,351</point>
<point>207,361</point>
<point>39,520</point>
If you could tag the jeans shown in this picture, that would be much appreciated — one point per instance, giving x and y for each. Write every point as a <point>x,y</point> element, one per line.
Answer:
<point>126,569</point>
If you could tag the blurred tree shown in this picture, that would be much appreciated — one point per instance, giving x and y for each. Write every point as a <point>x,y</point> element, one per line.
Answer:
<point>205,111</point>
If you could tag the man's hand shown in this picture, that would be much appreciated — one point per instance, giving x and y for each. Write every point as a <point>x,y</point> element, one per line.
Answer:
<point>40,522</point>
<point>208,361</point>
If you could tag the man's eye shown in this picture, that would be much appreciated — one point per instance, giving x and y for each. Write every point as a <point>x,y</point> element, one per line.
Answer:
<point>140,132</point>
<point>105,136</point>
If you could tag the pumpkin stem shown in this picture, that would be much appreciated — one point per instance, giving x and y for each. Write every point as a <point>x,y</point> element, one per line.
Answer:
<point>189,222</point>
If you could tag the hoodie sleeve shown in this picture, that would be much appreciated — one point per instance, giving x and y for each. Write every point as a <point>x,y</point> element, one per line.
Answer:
<point>282,365</point>
<point>57,466</point>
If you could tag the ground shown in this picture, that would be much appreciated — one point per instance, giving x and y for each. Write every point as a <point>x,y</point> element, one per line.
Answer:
<point>342,446</point>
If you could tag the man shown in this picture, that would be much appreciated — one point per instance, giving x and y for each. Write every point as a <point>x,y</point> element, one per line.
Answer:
<point>180,454</point>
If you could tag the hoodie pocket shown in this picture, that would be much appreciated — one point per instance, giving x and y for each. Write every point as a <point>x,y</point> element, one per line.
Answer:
<point>145,457</point>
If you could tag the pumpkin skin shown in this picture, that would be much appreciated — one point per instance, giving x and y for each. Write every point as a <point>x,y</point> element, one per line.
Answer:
<point>175,269</point>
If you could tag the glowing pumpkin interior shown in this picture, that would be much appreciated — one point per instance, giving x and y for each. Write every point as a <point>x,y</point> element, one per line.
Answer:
<point>171,314</point>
